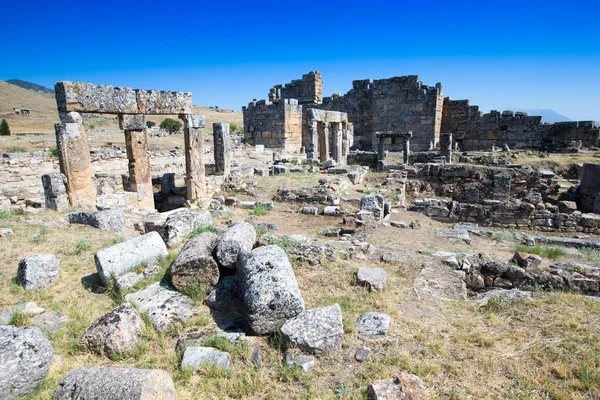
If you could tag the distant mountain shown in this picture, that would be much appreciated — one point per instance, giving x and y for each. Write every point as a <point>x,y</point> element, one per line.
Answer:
<point>546,114</point>
<point>29,86</point>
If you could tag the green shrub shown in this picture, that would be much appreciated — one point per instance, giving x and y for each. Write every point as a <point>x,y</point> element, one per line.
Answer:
<point>4,129</point>
<point>16,149</point>
<point>233,127</point>
<point>19,318</point>
<point>53,152</point>
<point>170,125</point>
<point>259,210</point>
<point>150,124</point>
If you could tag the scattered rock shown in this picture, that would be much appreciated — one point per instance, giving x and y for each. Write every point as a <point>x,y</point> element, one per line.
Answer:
<point>50,321</point>
<point>115,333</point>
<point>373,324</point>
<point>503,296</point>
<point>526,260</point>
<point>164,305</point>
<point>269,289</point>
<point>398,224</point>
<point>373,278</point>
<point>454,234</point>
<point>6,232</point>
<point>362,354</point>
<point>300,360</point>
<point>197,337</point>
<point>403,386</point>
<point>256,357</point>
<point>310,210</point>
<point>415,225</point>
<point>37,272</point>
<point>117,260</point>
<point>128,281</point>
<point>195,264</point>
<point>238,238</point>
<point>109,383</point>
<point>175,226</point>
<point>106,220</point>
<point>567,207</point>
<point>196,357</point>
<point>25,357</point>
<point>317,331</point>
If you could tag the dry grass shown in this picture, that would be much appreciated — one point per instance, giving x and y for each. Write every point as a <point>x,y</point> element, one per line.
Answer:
<point>546,349</point>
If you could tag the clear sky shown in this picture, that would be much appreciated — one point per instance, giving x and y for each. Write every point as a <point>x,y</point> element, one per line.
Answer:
<point>527,54</point>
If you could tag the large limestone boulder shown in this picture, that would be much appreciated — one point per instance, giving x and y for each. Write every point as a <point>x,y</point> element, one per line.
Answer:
<point>373,278</point>
<point>195,264</point>
<point>238,238</point>
<point>115,333</point>
<point>175,226</point>
<point>317,331</point>
<point>37,272</point>
<point>106,220</point>
<point>25,357</point>
<point>121,258</point>
<point>403,386</point>
<point>106,383</point>
<point>196,357</point>
<point>164,305</point>
<point>268,288</point>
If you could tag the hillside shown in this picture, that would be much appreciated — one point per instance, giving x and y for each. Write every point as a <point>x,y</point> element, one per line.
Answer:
<point>29,85</point>
<point>44,115</point>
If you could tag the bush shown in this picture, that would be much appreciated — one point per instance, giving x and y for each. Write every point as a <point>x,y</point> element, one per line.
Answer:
<point>150,124</point>
<point>53,152</point>
<point>4,129</point>
<point>233,127</point>
<point>171,125</point>
<point>16,149</point>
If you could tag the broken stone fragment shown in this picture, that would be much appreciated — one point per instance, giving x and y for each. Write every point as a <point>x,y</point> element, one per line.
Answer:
<point>373,278</point>
<point>373,324</point>
<point>35,272</point>
<point>197,357</point>
<point>316,331</point>
<point>403,386</point>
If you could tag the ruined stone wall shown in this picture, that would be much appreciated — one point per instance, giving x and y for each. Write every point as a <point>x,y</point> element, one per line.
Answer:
<point>396,104</point>
<point>308,90</point>
<point>274,125</point>
<point>474,130</point>
<point>475,184</point>
<point>20,176</point>
<point>512,213</point>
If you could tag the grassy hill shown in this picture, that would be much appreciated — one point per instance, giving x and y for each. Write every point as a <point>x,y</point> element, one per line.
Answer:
<point>44,114</point>
<point>30,86</point>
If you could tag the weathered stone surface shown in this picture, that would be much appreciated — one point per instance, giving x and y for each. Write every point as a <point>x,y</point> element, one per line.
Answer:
<point>175,226</point>
<point>196,357</point>
<point>50,321</point>
<point>75,164</point>
<point>373,278</point>
<point>195,264</point>
<point>132,122</point>
<point>239,238</point>
<point>373,324</point>
<point>362,354</point>
<point>222,148</point>
<point>128,280</point>
<point>317,331</point>
<point>55,191</point>
<point>269,289</point>
<point>164,305</point>
<point>107,383</point>
<point>115,333</point>
<point>90,98</point>
<point>403,386</point>
<point>197,337</point>
<point>373,203</point>
<point>140,178</point>
<point>526,260</point>
<point>25,357</point>
<point>106,220</point>
<point>503,296</point>
<point>37,272</point>
<point>6,232</point>
<point>454,234</point>
<point>121,258</point>
<point>300,360</point>
<point>440,282</point>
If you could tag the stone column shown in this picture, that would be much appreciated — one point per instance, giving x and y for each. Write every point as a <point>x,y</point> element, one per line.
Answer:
<point>312,139</point>
<point>194,150</point>
<point>323,142</point>
<point>446,146</point>
<point>75,161</point>
<point>136,140</point>
<point>222,149</point>
<point>406,138</point>
<point>381,150</point>
<point>55,191</point>
<point>336,132</point>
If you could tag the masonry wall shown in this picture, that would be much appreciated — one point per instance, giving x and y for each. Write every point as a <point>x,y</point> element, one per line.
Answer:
<point>274,125</point>
<point>308,90</point>
<point>473,130</point>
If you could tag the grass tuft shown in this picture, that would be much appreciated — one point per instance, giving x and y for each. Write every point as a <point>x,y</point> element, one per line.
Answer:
<point>259,211</point>
<point>19,318</point>
<point>543,251</point>
<point>198,229</point>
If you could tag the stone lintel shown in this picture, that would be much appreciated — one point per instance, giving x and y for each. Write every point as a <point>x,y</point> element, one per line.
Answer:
<point>392,134</point>
<point>104,99</point>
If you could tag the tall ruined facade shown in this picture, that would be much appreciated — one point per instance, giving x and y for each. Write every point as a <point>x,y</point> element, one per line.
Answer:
<point>399,105</point>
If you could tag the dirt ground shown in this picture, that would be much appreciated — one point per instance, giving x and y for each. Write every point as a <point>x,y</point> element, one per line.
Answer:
<point>548,348</point>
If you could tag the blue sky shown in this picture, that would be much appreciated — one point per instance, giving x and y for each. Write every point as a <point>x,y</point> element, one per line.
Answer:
<point>528,54</point>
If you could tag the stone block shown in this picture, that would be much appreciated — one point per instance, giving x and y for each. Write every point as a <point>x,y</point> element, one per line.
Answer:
<point>37,272</point>
<point>132,122</point>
